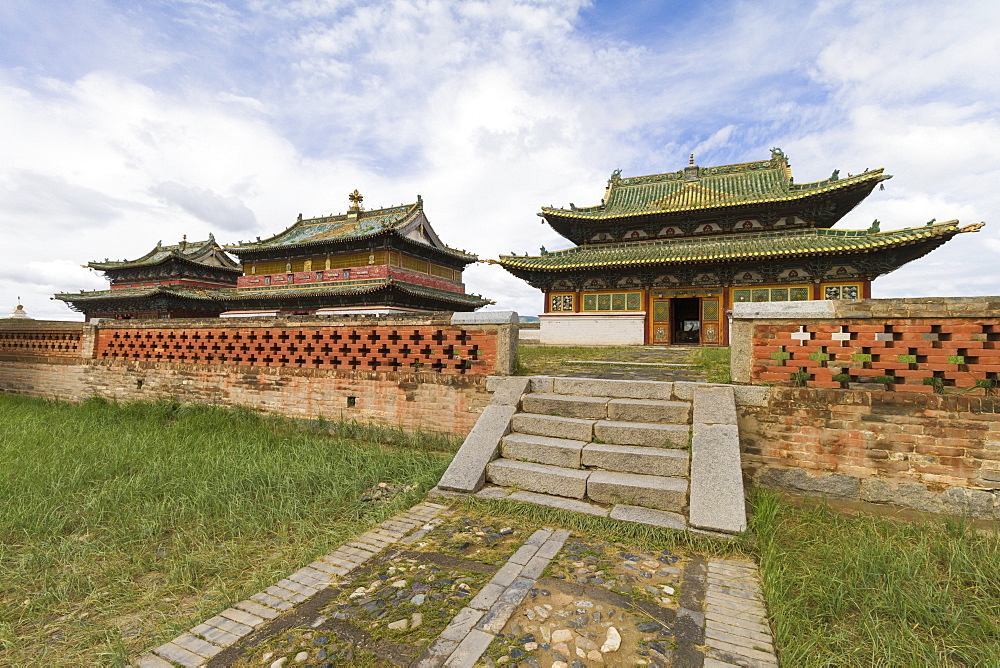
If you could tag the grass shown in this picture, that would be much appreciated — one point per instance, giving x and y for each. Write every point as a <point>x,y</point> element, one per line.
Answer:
<point>715,364</point>
<point>640,536</point>
<point>870,591</point>
<point>123,525</point>
<point>533,360</point>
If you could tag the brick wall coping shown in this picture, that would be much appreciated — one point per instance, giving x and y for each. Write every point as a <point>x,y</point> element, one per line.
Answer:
<point>913,307</point>
<point>19,325</point>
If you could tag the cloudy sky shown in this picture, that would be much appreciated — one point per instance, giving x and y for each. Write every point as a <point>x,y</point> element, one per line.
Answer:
<point>123,123</point>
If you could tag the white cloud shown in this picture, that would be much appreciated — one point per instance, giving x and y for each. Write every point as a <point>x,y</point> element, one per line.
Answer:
<point>233,118</point>
<point>226,213</point>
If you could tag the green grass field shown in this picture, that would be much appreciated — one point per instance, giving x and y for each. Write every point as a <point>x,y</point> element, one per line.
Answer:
<point>871,591</point>
<point>124,525</point>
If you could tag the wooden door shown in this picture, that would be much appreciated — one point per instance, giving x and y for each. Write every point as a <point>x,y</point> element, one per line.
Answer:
<point>659,324</point>
<point>711,329</point>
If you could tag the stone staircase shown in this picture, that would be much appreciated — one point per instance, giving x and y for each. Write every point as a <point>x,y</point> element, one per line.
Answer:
<point>660,453</point>
<point>611,442</point>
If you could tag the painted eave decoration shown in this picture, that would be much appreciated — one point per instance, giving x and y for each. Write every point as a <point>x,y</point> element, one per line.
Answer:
<point>735,248</point>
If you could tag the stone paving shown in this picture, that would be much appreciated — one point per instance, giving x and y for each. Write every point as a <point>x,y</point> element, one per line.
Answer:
<point>662,363</point>
<point>442,586</point>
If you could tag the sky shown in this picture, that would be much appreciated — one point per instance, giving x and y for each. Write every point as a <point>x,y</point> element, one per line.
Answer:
<point>125,123</point>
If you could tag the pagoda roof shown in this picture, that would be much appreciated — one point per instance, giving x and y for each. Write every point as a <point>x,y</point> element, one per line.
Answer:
<point>354,288</point>
<point>406,221</point>
<point>182,292</point>
<point>207,253</point>
<point>735,248</point>
<point>697,188</point>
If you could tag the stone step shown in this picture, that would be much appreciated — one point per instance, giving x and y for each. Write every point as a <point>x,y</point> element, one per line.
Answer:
<point>649,491</point>
<point>551,425</point>
<point>641,433</point>
<point>565,405</point>
<point>649,410</point>
<point>619,389</point>
<point>541,478</point>
<point>636,459</point>
<point>542,450</point>
<point>603,408</point>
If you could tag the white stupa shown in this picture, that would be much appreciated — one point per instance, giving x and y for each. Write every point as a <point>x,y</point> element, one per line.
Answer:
<point>19,313</point>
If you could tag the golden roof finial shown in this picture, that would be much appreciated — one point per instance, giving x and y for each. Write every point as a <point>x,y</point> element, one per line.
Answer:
<point>356,199</point>
<point>691,159</point>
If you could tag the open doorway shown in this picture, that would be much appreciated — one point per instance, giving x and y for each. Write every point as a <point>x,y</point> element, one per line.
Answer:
<point>686,325</point>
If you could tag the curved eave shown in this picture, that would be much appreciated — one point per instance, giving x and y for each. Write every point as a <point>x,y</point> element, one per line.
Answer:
<point>251,251</point>
<point>407,288</point>
<point>113,266</point>
<point>118,295</point>
<point>935,234</point>
<point>795,195</point>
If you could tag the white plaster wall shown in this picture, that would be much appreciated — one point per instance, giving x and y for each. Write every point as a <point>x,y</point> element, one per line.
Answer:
<point>592,329</point>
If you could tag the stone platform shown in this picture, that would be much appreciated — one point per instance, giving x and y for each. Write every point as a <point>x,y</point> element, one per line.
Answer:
<point>445,586</point>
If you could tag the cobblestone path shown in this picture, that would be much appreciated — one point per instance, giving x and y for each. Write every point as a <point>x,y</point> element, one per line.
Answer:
<point>662,363</point>
<point>437,587</point>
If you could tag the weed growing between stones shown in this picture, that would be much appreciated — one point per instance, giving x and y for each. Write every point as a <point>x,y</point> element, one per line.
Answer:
<point>480,538</point>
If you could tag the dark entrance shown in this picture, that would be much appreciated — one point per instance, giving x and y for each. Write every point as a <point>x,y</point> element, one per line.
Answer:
<point>686,325</point>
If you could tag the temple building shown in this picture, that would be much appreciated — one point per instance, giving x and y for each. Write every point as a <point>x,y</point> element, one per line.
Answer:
<point>663,257</point>
<point>382,260</point>
<point>178,281</point>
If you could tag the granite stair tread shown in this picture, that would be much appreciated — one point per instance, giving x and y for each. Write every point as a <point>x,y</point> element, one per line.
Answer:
<point>554,426</point>
<point>624,432</point>
<point>562,452</point>
<point>636,459</point>
<point>542,478</point>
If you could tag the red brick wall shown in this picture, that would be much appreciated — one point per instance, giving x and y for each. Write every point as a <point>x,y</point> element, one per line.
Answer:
<point>939,441</point>
<point>416,372</point>
<point>441,349</point>
<point>40,340</point>
<point>428,402</point>
<point>921,355</point>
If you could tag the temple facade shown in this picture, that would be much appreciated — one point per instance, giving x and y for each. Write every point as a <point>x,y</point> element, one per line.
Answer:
<point>662,258</point>
<point>383,260</point>
<point>178,281</point>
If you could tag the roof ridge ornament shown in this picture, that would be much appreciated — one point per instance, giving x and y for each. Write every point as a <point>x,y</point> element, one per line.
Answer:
<point>356,199</point>
<point>974,227</point>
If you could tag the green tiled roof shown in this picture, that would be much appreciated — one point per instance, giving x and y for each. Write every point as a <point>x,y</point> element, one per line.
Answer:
<point>207,253</point>
<point>326,228</point>
<point>341,227</point>
<point>732,247</point>
<point>355,287</point>
<point>696,188</point>
<point>238,294</point>
<point>183,292</point>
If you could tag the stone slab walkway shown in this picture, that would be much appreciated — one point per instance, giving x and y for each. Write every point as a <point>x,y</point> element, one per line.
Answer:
<point>439,586</point>
<point>662,363</point>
